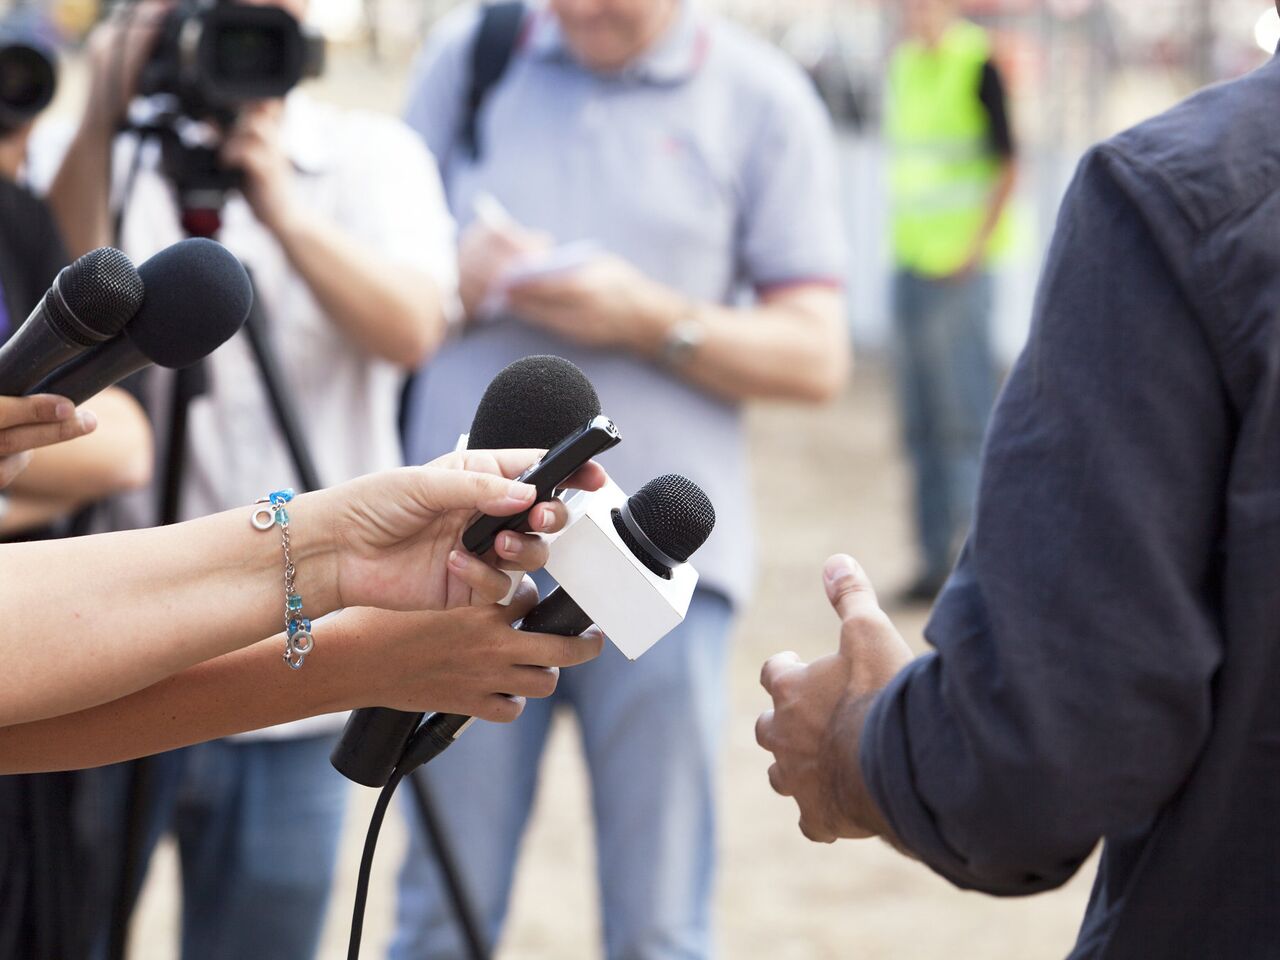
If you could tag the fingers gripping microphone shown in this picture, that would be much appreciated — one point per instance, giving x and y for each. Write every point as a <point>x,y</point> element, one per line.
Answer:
<point>89,303</point>
<point>535,402</point>
<point>197,297</point>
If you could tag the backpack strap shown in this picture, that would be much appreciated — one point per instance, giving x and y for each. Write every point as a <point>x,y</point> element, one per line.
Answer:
<point>491,51</point>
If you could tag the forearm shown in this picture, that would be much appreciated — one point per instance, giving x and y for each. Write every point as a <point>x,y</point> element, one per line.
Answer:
<point>391,310</point>
<point>997,204</point>
<point>237,692</point>
<point>793,347</point>
<point>91,619</point>
<point>80,194</point>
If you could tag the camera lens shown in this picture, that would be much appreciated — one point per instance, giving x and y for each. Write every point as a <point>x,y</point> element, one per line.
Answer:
<point>250,54</point>
<point>27,80</point>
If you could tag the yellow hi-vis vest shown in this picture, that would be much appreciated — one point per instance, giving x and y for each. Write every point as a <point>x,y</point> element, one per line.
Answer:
<point>942,169</point>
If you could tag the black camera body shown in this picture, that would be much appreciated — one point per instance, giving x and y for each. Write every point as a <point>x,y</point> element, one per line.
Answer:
<point>215,57</point>
<point>28,73</point>
<point>210,59</point>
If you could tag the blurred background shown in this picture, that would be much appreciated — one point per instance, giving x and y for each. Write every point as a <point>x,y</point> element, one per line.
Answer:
<point>1077,71</point>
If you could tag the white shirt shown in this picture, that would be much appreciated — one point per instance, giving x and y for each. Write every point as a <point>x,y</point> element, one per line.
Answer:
<point>373,177</point>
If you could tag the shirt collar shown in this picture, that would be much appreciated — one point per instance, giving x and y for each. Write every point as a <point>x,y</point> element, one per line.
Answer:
<point>675,57</point>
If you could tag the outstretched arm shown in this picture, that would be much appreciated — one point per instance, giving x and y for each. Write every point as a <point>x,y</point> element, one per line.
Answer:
<point>469,661</point>
<point>92,619</point>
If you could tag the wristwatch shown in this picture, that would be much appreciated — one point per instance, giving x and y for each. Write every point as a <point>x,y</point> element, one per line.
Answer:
<point>682,340</point>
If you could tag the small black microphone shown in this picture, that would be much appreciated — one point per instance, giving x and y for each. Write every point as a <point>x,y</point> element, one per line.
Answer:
<point>532,403</point>
<point>89,303</point>
<point>662,524</point>
<point>197,297</point>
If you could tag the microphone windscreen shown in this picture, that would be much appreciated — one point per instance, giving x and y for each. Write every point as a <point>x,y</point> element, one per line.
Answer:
<point>534,402</point>
<point>102,290</point>
<point>198,296</point>
<point>674,513</point>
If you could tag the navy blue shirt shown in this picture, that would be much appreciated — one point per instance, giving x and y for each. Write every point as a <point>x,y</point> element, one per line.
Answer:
<point>1107,661</point>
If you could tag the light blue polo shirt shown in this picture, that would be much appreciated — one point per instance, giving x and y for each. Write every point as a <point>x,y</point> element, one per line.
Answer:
<point>709,164</point>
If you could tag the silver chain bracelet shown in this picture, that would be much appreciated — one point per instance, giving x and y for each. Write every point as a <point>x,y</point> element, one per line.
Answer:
<point>271,511</point>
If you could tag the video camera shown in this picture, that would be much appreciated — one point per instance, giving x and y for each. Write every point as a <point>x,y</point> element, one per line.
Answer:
<point>28,72</point>
<point>211,58</point>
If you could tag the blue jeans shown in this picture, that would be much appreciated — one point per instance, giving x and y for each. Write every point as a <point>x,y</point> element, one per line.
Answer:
<point>257,824</point>
<point>947,381</point>
<point>652,733</point>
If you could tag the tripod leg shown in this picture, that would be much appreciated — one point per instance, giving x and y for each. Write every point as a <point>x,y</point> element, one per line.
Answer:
<point>282,406</point>
<point>463,909</point>
<point>132,865</point>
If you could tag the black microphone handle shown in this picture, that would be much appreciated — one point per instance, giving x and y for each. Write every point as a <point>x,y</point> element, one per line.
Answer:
<point>31,354</point>
<point>102,366</point>
<point>377,739</point>
<point>557,613</point>
<point>372,743</point>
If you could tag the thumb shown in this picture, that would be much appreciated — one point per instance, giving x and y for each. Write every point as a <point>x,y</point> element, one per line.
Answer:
<point>440,490</point>
<point>848,587</point>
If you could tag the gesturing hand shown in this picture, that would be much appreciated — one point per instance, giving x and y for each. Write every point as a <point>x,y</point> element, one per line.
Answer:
<point>816,720</point>
<point>396,535</point>
<point>27,423</point>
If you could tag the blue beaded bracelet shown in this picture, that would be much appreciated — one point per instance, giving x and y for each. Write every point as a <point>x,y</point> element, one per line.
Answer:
<point>270,511</point>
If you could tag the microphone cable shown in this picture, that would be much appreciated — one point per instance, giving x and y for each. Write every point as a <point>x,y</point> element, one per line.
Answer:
<point>366,863</point>
<point>431,739</point>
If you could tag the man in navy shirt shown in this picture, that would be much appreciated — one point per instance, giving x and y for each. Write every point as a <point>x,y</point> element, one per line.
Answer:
<point>1107,662</point>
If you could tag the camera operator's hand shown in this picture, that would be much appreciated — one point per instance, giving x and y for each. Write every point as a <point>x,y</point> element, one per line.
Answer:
<point>80,194</point>
<point>255,145</point>
<point>118,48</point>
<point>30,422</point>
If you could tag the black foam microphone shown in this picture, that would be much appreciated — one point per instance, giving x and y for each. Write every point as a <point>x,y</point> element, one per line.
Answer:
<point>533,403</point>
<point>197,297</point>
<point>89,303</point>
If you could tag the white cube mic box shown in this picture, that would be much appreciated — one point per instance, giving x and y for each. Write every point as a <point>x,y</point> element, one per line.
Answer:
<point>634,606</point>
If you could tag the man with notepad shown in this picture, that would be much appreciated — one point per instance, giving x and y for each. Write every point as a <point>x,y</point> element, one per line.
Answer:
<point>650,192</point>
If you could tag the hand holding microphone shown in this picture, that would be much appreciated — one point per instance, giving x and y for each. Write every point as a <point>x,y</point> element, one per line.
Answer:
<point>535,402</point>
<point>27,423</point>
<point>400,530</point>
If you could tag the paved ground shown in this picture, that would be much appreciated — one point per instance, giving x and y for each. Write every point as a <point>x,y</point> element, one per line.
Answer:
<point>826,482</point>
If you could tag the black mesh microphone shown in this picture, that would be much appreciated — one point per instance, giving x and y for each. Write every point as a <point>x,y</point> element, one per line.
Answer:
<point>89,303</point>
<point>662,524</point>
<point>532,403</point>
<point>197,297</point>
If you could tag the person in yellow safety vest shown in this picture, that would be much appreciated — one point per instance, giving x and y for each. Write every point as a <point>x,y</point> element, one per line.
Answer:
<point>952,169</point>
